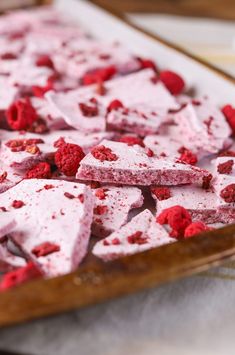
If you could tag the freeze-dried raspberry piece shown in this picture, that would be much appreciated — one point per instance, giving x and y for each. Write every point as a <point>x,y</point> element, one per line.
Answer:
<point>45,248</point>
<point>100,209</point>
<point>187,156</point>
<point>116,241</point>
<point>19,276</point>
<point>162,193</point>
<point>196,228</point>
<point>39,91</point>
<point>3,177</point>
<point>41,170</point>
<point>103,153</point>
<point>177,217</point>
<point>206,181</point>
<point>17,204</point>
<point>226,167</point>
<point>114,105</point>
<point>227,153</point>
<point>137,238</point>
<point>100,89</point>
<point>8,56</point>
<point>69,195</point>
<point>229,113</point>
<point>228,193</point>
<point>21,114</point>
<point>59,142</point>
<point>131,140</point>
<point>68,157</point>
<point>44,61</point>
<point>99,75</point>
<point>147,63</point>
<point>173,82</point>
<point>90,110</point>
<point>100,193</point>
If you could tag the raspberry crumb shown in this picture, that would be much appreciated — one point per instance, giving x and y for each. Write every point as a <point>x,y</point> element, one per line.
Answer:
<point>17,204</point>
<point>162,193</point>
<point>187,156</point>
<point>48,187</point>
<point>116,241</point>
<point>45,248</point>
<point>69,195</point>
<point>90,110</point>
<point>100,194</point>
<point>147,63</point>
<point>44,61</point>
<point>3,177</point>
<point>228,193</point>
<point>173,82</point>
<point>196,228</point>
<point>132,140</point>
<point>103,153</point>
<point>149,153</point>
<point>114,105</point>
<point>99,75</point>
<point>68,157</point>
<point>3,209</point>
<point>226,167</point>
<point>137,238</point>
<point>206,181</point>
<point>39,91</point>
<point>19,276</point>
<point>177,217</point>
<point>100,210</point>
<point>229,113</point>
<point>21,114</point>
<point>105,242</point>
<point>227,153</point>
<point>81,198</point>
<point>59,142</point>
<point>41,170</point>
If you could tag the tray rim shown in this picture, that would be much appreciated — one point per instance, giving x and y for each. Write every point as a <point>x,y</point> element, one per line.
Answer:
<point>194,255</point>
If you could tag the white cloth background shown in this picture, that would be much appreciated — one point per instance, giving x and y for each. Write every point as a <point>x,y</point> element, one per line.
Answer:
<point>189,317</point>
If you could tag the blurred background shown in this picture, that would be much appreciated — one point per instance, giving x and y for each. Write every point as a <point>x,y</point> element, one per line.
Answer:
<point>204,27</point>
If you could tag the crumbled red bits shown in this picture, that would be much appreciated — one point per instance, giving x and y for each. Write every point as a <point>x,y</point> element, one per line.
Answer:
<point>59,142</point>
<point>116,241</point>
<point>19,276</point>
<point>196,228</point>
<point>103,153</point>
<point>173,82</point>
<point>206,181</point>
<point>99,75</point>
<point>100,209</point>
<point>137,238</point>
<point>229,113</point>
<point>3,177</point>
<point>162,193</point>
<point>91,109</point>
<point>147,63</point>
<point>187,156</point>
<point>226,167</point>
<point>177,217</point>
<point>69,195</point>
<point>20,145</point>
<point>100,194</point>
<point>68,157</point>
<point>44,61</point>
<point>81,198</point>
<point>41,170</point>
<point>21,114</point>
<point>228,193</point>
<point>114,105</point>
<point>17,204</point>
<point>8,56</point>
<point>45,248</point>
<point>132,140</point>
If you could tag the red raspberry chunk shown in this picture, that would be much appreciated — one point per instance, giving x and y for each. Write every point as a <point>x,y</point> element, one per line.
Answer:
<point>17,204</point>
<point>137,238</point>
<point>173,82</point>
<point>100,209</point>
<point>90,110</point>
<point>68,157</point>
<point>228,193</point>
<point>162,193</point>
<point>3,177</point>
<point>99,75</point>
<point>44,61</point>
<point>187,156</point>
<point>177,217</point>
<point>41,170</point>
<point>100,194</point>
<point>195,228</point>
<point>229,113</point>
<point>114,105</point>
<point>147,63</point>
<point>21,114</point>
<point>19,276</point>
<point>226,167</point>
<point>69,195</point>
<point>132,140</point>
<point>45,248</point>
<point>103,153</point>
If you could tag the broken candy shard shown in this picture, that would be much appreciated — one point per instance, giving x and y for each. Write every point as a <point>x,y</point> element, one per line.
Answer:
<point>203,126</point>
<point>7,223</point>
<point>112,206</point>
<point>132,166</point>
<point>53,222</point>
<point>141,233</point>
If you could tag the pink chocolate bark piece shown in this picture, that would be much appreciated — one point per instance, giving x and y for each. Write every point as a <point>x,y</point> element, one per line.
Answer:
<point>117,162</point>
<point>140,234</point>
<point>7,223</point>
<point>202,204</point>
<point>153,97</point>
<point>24,159</point>
<point>112,207</point>
<point>203,126</point>
<point>53,222</point>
